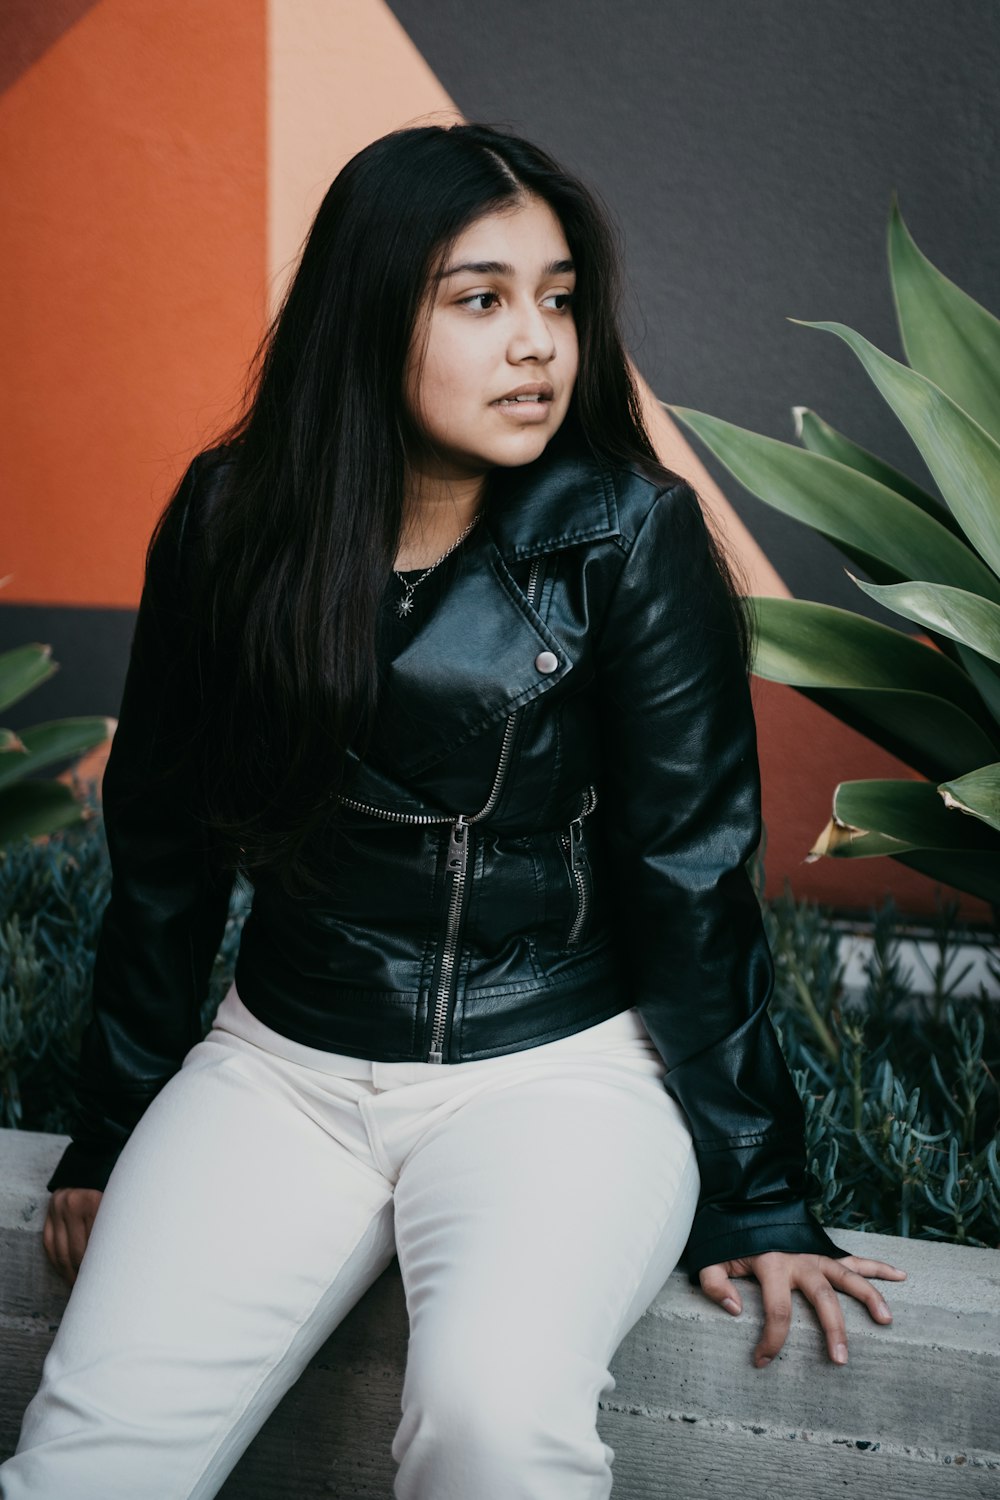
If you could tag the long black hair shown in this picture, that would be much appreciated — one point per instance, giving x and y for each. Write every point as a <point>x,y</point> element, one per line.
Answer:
<point>301,539</point>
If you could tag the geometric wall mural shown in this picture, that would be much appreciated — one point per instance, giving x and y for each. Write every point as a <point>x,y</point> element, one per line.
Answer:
<point>161,164</point>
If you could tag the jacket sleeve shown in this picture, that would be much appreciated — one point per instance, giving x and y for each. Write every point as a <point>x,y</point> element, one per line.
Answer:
<point>168,906</point>
<point>682,817</point>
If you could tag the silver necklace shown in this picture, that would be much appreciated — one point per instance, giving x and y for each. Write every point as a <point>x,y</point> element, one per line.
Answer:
<point>404,605</point>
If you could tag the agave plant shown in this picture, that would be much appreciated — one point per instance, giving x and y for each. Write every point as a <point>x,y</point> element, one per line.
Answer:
<point>33,807</point>
<point>934,559</point>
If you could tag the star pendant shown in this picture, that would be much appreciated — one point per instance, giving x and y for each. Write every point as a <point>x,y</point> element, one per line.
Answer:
<point>404,606</point>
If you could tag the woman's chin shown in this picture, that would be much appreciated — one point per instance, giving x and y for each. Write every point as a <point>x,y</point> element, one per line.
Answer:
<point>522,446</point>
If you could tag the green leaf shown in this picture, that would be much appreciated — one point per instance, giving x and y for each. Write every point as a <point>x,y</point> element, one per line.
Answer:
<point>953,612</point>
<point>36,807</point>
<point>54,741</point>
<point>985,677</point>
<point>960,454</point>
<point>925,733</point>
<point>851,509</point>
<point>912,813</point>
<point>947,335</point>
<point>23,669</point>
<point>819,437</point>
<point>976,873</point>
<point>820,645</point>
<point>883,683</point>
<point>977,793</point>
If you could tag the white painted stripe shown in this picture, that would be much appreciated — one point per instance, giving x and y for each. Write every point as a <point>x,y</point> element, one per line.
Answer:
<point>918,958</point>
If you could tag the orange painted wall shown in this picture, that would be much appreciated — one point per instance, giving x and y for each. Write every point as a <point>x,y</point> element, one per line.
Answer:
<point>160,161</point>
<point>804,753</point>
<point>132,278</point>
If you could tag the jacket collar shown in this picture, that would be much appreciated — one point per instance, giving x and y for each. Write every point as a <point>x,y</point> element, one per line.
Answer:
<point>475,659</point>
<point>564,497</point>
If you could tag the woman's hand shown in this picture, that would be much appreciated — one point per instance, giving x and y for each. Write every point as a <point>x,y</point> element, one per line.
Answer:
<point>67,1227</point>
<point>816,1276</point>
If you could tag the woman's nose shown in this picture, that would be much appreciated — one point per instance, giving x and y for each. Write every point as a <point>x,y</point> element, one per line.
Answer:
<point>530,336</point>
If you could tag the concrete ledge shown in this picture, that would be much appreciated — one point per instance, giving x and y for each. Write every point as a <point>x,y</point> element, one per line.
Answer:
<point>913,1414</point>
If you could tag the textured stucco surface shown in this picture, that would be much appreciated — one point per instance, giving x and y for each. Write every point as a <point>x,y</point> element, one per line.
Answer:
<point>912,1415</point>
<point>749,153</point>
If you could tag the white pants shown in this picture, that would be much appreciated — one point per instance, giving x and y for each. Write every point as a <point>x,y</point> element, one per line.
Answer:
<point>537,1202</point>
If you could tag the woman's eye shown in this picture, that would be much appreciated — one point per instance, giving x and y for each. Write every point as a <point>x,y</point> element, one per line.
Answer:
<point>565,298</point>
<point>475,297</point>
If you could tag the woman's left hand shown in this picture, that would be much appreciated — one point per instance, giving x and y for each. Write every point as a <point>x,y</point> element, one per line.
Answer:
<point>818,1277</point>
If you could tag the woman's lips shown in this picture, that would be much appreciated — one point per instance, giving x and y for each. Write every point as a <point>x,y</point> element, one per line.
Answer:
<point>524,411</point>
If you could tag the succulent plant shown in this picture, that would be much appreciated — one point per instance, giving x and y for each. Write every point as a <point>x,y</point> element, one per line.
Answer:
<point>933,559</point>
<point>30,806</point>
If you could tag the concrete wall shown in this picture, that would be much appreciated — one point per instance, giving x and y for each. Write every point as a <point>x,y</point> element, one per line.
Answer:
<point>912,1416</point>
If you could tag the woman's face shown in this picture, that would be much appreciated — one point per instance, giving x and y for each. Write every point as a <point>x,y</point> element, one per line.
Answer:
<point>497,316</point>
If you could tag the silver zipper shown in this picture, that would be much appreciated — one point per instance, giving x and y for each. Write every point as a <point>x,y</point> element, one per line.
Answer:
<point>458,859</point>
<point>572,842</point>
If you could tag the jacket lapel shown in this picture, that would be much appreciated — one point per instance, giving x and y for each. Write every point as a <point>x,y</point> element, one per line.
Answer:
<point>565,497</point>
<point>474,661</point>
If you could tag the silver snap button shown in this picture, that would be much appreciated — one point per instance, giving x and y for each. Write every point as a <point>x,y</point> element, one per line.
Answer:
<point>546,661</point>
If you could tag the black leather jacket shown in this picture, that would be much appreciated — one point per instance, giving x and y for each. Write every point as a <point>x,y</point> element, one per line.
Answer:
<point>551,825</point>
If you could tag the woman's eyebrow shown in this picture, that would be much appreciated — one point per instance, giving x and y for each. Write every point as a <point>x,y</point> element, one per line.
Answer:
<point>503,268</point>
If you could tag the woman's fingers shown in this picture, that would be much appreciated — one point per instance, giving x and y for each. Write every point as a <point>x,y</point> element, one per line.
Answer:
<point>880,1268</point>
<point>819,1277</point>
<point>79,1233</point>
<point>830,1313</point>
<point>716,1284</point>
<point>773,1271</point>
<point>855,1284</point>
<point>55,1238</point>
<point>70,1218</point>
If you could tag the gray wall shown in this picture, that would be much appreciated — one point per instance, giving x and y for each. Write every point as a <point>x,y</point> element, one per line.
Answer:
<point>749,152</point>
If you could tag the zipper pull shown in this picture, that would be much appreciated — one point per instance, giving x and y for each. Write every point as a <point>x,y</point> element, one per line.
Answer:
<point>458,847</point>
<point>577,854</point>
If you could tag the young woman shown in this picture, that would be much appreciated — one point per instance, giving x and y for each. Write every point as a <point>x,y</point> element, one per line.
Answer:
<point>434,652</point>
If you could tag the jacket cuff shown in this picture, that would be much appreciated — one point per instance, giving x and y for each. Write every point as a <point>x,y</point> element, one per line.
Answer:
<point>718,1235</point>
<point>83,1168</point>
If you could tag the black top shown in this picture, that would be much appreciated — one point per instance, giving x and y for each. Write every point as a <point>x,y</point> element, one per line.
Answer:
<point>396,631</point>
